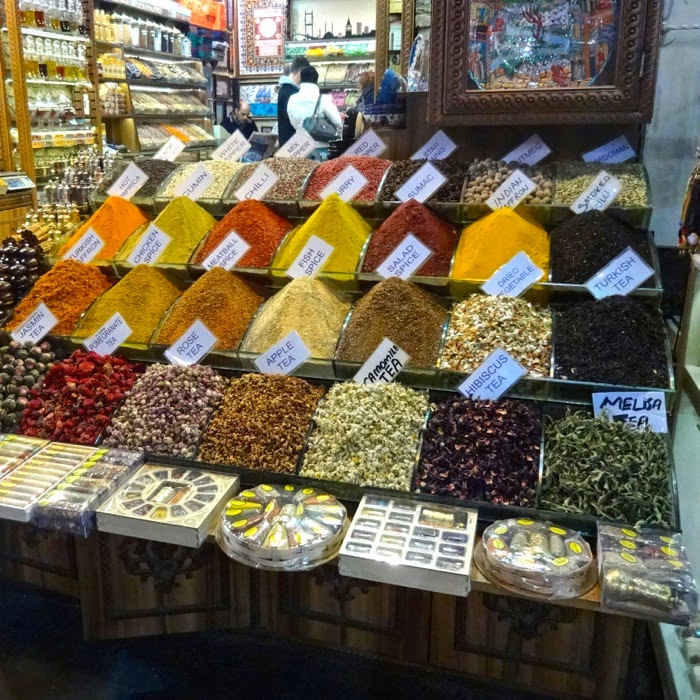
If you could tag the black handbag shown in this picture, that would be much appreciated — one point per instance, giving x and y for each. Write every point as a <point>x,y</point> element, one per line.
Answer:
<point>318,127</point>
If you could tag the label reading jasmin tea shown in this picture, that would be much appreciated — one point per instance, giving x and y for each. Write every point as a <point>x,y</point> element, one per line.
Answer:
<point>283,357</point>
<point>622,275</point>
<point>405,259</point>
<point>129,182</point>
<point>346,185</point>
<point>258,184</point>
<point>422,185</point>
<point>311,259</point>
<point>498,372</point>
<point>108,338</point>
<point>530,152</point>
<point>600,194</point>
<point>196,184</point>
<point>383,365</point>
<point>299,146</point>
<point>86,248</point>
<point>438,148</point>
<point>150,247</point>
<point>514,278</point>
<point>192,345</point>
<point>170,150</point>
<point>512,191</point>
<point>227,253</point>
<point>369,144</point>
<point>640,409</point>
<point>36,325</point>
<point>233,149</point>
<point>617,151</point>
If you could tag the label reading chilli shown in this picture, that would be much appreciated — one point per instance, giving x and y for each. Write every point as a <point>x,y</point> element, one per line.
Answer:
<point>498,372</point>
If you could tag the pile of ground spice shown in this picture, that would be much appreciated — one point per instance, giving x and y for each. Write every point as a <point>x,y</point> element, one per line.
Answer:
<point>313,309</point>
<point>372,168</point>
<point>222,301</point>
<point>257,225</point>
<point>67,290</point>
<point>157,171</point>
<point>142,297</point>
<point>415,218</point>
<point>113,222</point>
<point>400,311</point>
<point>291,174</point>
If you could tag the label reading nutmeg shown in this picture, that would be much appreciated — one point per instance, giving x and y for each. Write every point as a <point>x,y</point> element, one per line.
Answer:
<point>383,365</point>
<point>530,152</point>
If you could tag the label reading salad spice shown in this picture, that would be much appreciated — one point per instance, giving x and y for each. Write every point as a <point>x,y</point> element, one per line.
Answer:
<point>622,275</point>
<point>617,151</point>
<point>233,149</point>
<point>514,278</point>
<point>258,184</point>
<point>129,182</point>
<point>422,185</point>
<point>299,146</point>
<point>196,184</point>
<point>36,325</point>
<point>311,259</point>
<point>383,365</point>
<point>108,338</point>
<point>150,247</point>
<point>498,372</point>
<point>192,345</point>
<point>405,259</point>
<point>283,357</point>
<point>369,145</point>
<point>170,150</point>
<point>438,148</point>
<point>227,253</point>
<point>512,191</point>
<point>600,194</point>
<point>86,248</point>
<point>346,185</point>
<point>640,409</point>
<point>530,152</point>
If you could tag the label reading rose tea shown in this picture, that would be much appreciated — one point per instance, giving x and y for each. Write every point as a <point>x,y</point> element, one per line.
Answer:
<point>299,146</point>
<point>196,184</point>
<point>109,337</point>
<point>530,152</point>
<point>36,325</point>
<point>311,259</point>
<point>150,247</point>
<point>600,194</point>
<point>405,259</point>
<point>227,253</point>
<point>514,278</point>
<point>369,145</point>
<point>622,275</point>
<point>496,374</point>
<point>617,151</point>
<point>346,185</point>
<point>258,184</point>
<point>422,185</point>
<point>233,149</point>
<point>283,357</point>
<point>86,247</point>
<point>383,365</point>
<point>170,150</point>
<point>512,191</point>
<point>639,409</point>
<point>438,148</point>
<point>193,345</point>
<point>129,182</point>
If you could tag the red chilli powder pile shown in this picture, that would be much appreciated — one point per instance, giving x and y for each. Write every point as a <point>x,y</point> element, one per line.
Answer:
<point>372,168</point>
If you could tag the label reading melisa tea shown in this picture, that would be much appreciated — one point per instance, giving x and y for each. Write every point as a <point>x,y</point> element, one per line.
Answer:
<point>383,365</point>
<point>617,151</point>
<point>496,374</point>
<point>622,275</point>
<point>438,148</point>
<point>405,259</point>
<point>86,248</point>
<point>108,338</point>
<point>346,185</point>
<point>514,278</point>
<point>369,145</point>
<point>311,259</point>
<point>233,149</point>
<point>283,357</point>
<point>600,194</point>
<point>150,247</point>
<point>258,184</point>
<point>639,409</point>
<point>170,150</point>
<point>227,253</point>
<point>422,185</point>
<point>196,184</point>
<point>299,146</point>
<point>194,344</point>
<point>530,152</point>
<point>129,182</point>
<point>512,191</point>
<point>36,325</point>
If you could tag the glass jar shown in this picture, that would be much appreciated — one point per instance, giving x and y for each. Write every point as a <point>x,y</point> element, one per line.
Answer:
<point>157,37</point>
<point>134,32</point>
<point>150,36</point>
<point>143,34</point>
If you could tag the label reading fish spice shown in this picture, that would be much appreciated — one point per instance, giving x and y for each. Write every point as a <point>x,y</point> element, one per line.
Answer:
<point>196,184</point>
<point>622,275</point>
<point>600,194</point>
<point>36,325</point>
<point>639,409</point>
<point>405,259</point>
<point>617,151</point>
<point>369,145</point>
<point>514,278</point>
<point>109,337</point>
<point>530,152</point>
<point>383,365</point>
<point>233,149</point>
<point>497,373</point>
<point>150,247</point>
<point>299,146</point>
<point>346,185</point>
<point>86,248</point>
<point>422,185</point>
<point>170,150</point>
<point>311,259</point>
<point>129,182</point>
<point>512,191</point>
<point>227,253</point>
<point>258,184</point>
<point>438,148</point>
<point>283,357</point>
<point>194,344</point>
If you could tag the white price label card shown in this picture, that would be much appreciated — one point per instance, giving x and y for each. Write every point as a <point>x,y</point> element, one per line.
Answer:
<point>129,182</point>
<point>512,191</point>
<point>283,357</point>
<point>150,247</point>
<point>426,181</point>
<point>311,259</point>
<point>109,337</point>
<point>530,152</point>
<point>622,275</point>
<point>258,184</point>
<point>383,365</point>
<point>227,253</point>
<point>86,248</point>
<point>514,278</point>
<point>496,374</point>
<point>196,185</point>
<point>438,148</point>
<point>299,146</point>
<point>617,151</point>
<point>346,185</point>
<point>233,149</point>
<point>192,345</point>
<point>640,409</point>
<point>170,150</point>
<point>369,145</point>
<point>36,325</point>
<point>600,194</point>
<point>405,259</point>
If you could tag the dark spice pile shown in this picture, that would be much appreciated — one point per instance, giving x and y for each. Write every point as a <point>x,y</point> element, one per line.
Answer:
<point>581,246</point>
<point>157,171</point>
<point>372,168</point>
<point>21,263</point>
<point>482,450</point>
<point>456,171</point>
<point>399,173</point>
<point>616,340</point>
<point>415,218</point>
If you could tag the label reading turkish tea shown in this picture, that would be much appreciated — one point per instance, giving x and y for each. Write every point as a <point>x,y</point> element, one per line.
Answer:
<point>86,248</point>
<point>497,373</point>
<point>622,275</point>
<point>617,151</point>
<point>129,182</point>
<point>514,278</point>
<point>512,191</point>
<point>438,148</point>
<point>109,337</point>
<point>150,247</point>
<point>196,184</point>
<point>283,357</point>
<point>36,325</point>
<point>422,185</point>
<point>600,194</point>
<point>227,253</point>
<point>346,185</point>
<point>233,149</point>
<point>170,150</point>
<point>258,184</point>
<point>311,259</point>
<point>194,344</point>
<point>640,409</point>
<point>405,259</point>
<point>530,152</point>
<point>383,365</point>
<point>299,146</point>
<point>369,145</point>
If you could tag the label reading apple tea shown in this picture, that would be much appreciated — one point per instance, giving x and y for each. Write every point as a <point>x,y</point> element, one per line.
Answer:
<point>283,357</point>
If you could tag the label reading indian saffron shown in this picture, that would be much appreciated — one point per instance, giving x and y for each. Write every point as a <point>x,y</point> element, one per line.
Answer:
<point>196,184</point>
<point>86,247</point>
<point>346,185</point>
<point>129,182</point>
<point>150,247</point>
<point>514,278</point>
<point>109,337</point>
<point>383,365</point>
<point>283,357</point>
<point>227,253</point>
<point>233,149</point>
<point>438,148</point>
<point>616,151</point>
<point>600,194</point>
<point>422,185</point>
<point>405,259</point>
<point>622,275</point>
<point>170,150</point>
<point>512,191</point>
<point>311,259</point>
<point>193,345</point>
<point>36,325</point>
<point>258,184</point>
<point>639,409</point>
<point>299,146</point>
<point>496,374</point>
<point>369,145</point>
<point>530,152</point>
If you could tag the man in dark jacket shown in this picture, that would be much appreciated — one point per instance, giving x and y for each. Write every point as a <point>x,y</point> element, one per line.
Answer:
<point>288,85</point>
<point>240,119</point>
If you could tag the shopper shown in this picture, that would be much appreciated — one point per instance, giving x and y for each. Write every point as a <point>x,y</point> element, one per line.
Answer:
<point>240,119</point>
<point>366,85</point>
<point>288,86</point>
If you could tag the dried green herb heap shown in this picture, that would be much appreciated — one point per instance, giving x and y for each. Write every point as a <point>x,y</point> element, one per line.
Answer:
<point>596,467</point>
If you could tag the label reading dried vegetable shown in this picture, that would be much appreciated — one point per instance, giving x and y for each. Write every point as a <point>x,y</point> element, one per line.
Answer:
<point>514,278</point>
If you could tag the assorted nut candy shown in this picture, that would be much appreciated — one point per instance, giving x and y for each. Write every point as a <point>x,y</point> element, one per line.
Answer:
<point>14,449</point>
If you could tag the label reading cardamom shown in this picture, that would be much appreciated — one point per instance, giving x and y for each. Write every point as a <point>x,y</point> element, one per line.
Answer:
<point>616,151</point>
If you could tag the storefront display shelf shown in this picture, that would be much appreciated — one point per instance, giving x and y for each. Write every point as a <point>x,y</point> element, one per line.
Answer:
<point>52,34</point>
<point>175,13</point>
<point>148,53</point>
<point>144,116</point>
<point>171,83</point>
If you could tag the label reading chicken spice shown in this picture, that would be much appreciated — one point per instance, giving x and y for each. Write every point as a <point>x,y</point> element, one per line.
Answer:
<point>311,258</point>
<point>622,275</point>
<point>514,278</point>
<point>193,345</point>
<point>299,146</point>
<point>108,338</point>
<point>530,152</point>
<point>639,409</point>
<point>258,184</point>
<point>369,145</point>
<point>616,151</point>
<point>170,150</point>
<point>86,248</point>
<point>129,182</point>
<point>422,185</point>
<point>196,184</point>
<point>233,149</point>
<point>438,148</point>
<point>150,247</point>
<point>405,259</point>
<point>283,357</point>
<point>346,185</point>
<point>36,325</point>
<point>498,373</point>
<point>227,253</point>
<point>383,365</point>
<point>600,194</point>
<point>512,191</point>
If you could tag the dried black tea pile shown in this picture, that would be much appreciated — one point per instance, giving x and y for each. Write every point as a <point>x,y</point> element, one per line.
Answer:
<point>616,340</point>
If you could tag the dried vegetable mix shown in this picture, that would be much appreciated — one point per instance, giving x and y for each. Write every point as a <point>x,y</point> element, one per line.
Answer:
<point>157,171</point>
<point>482,451</point>
<point>372,168</point>
<point>607,469</point>
<point>366,434</point>
<point>616,340</point>
<point>573,177</point>
<point>399,173</point>
<point>261,423</point>
<point>480,324</point>
<point>486,176</point>
<point>223,171</point>
<point>292,173</point>
<point>456,171</point>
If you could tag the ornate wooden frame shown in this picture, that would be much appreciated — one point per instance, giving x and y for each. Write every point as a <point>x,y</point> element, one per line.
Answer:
<point>629,99</point>
<point>408,29</point>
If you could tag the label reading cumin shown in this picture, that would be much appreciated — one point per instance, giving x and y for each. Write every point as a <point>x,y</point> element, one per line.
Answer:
<point>196,185</point>
<point>496,374</point>
<point>383,365</point>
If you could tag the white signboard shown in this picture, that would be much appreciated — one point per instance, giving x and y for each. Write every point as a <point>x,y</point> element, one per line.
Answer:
<point>622,275</point>
<point>299,146</point>
<point>283,357</point>
<point>422,185</point>
<point>233,149</point>
<point>512,191</point>
<point>192,345</point>
<point>496,374</point>
<point>530,152</point>
<point>150,247</point>
<point>346,185</point>
<point>640,409</point>
<point>109,337</point>
<point>36,325</point>
<point>383,365</point>
<point>405,259</point>
<point>600,194</point>
<point>196,184</point>
<point>369,145</point>
<point>514,278</point>
<point>170,150</point>
<point>129,182</point>
<point>311,259</point>
<point>438,148</point>
<point>227,253</point>
<point>258,184</point>
<point>86,248</point>
<point>617,151</point>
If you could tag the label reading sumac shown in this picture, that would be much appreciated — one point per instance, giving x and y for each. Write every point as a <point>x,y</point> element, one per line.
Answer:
<point>600,194</point>
<point>311,259</point>
<point>233,149</point>
<point>497,373</point>
<point>283,357</point>
<point>86,248</point>
<point>108,338</point>
<point>258,184</point>
<point>346,185</point>
<point>150,247</point>
<point>639,409</point>
<point>405,259</point>
<point>438,148</point>
<point>193,345</point>
<point>514,278</point>
<point>227,253</point>
<point>299,146</point>
<point>368,145</point>
<point>196,185</point>
<point>622,275</point>
<point>512,191</point>
<point>36,325</point>
<point>422,185</point>
<point>129,182</point>
<point>383,365</point>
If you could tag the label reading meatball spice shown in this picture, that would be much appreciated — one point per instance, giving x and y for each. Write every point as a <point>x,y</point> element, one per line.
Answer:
<point>622,275</point>
<point>498,372</point>
<point>258,184</point>
<point>196,184</point>
<point>283,357</point>
<point>108,338</point>
<point>233,149</point>
<point>512,191</point>
<point>299,146</point>
<point>311,258</point>
<point>438,148</point>
<point>405,259</point>
<point>639,409</point>
<point>129,182</point>
<point>600,194</point>
<point>86,248</point>
<point>369,145</point>
<point>422,185</point>
<point>383,365</point>
<point>194,344</point>
<point>170,150</point>
<point>227,253</point>
<point>616,151</point>
<point>530,152</point>
<point>36,325</point>
<point>514,278</point>
<point>346,185</point>
<point>150,247</point>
